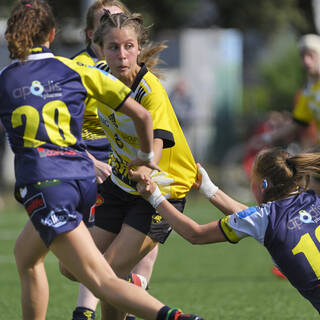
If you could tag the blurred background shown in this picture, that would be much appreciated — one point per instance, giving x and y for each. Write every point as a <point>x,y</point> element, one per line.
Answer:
<point>231,70</point>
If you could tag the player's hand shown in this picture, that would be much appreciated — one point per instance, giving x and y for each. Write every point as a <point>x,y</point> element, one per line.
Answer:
<point>146,187</point>
<point>139,162</point>
<point>102,170</point>
<point>204,183</point>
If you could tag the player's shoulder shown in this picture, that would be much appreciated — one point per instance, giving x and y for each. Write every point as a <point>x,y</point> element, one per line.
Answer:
<point>84,57</point>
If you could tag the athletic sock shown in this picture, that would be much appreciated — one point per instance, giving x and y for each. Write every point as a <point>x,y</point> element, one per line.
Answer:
<point>166,313</point>
<point>81,313</point>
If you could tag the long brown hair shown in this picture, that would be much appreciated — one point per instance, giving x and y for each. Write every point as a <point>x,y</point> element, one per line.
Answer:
<point>149,52</point>
<point>29,25</point>
<point>285,173</point>
<point>96,6</point>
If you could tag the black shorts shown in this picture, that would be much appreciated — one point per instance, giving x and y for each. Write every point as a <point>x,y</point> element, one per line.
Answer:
<point>114,207</point>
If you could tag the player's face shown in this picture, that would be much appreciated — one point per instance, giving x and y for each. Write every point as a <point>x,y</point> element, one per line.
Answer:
<point>121,50</point>
<point>310,62</point>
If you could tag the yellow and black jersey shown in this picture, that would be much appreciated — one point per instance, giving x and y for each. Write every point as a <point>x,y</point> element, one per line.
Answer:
<point>42,107</point>
<point>92,133</point>
<point>178,168</point>
<point>307,108</point>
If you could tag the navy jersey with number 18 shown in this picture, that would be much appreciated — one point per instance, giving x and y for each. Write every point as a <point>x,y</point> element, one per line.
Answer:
<point>290,230</point>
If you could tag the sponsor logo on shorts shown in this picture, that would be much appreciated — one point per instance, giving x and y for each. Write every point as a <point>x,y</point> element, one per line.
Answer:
<point>57,219</point>
<point>43,152</point>
<point>156,218</point>
<point>35,204</point>
<point>99,201</point>
<point>92,213</point>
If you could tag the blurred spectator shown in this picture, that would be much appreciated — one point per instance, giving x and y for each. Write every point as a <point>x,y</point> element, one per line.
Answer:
<point>306,112</point>
<point>181,101</point>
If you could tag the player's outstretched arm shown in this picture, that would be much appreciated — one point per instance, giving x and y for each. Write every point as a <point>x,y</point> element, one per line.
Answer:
<point>217,197</point>
<point>185,226</point>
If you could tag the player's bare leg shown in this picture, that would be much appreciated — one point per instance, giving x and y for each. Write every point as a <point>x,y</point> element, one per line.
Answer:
<point>81,257</point>
<point>30,252</point>
<point>134,245</point>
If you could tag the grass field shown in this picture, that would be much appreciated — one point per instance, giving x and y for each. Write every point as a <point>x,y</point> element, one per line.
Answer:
<point>221,281</point>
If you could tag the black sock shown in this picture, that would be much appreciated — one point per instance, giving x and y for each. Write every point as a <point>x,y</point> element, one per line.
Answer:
<point>81,313</point>
<point>166,313</point>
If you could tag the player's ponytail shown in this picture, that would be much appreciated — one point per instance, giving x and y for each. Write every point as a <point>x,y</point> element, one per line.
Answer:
<point>29,25</point>
<point>285,173</point>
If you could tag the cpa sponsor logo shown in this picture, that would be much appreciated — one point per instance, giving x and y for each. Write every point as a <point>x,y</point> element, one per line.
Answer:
<point>43,152</point>
<point>50,89</point>
<point>57,219</point>
<point>35,204</point>
<point>310,216</point>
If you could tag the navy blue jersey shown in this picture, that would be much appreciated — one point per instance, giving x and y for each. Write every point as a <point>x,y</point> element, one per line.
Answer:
<point>290,230</point>
<point>42,107</point>
<point>92,133</point>
<point>293,238</point>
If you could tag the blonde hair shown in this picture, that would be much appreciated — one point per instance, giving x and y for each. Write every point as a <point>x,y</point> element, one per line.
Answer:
<point>285,173</point>
<point>29,25</point>
<point>149,52</point>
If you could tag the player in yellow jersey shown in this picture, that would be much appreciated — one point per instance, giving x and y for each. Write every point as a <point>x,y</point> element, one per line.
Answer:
<point>99,147</point>
<point>126,226</point>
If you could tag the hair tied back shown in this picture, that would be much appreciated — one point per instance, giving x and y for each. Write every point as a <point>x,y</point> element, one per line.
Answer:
<point>106,15</point>
<point>291,166</point>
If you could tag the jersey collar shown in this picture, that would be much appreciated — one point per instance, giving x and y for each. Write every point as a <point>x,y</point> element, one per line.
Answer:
<point>139,77</point>
<point>38,53</point>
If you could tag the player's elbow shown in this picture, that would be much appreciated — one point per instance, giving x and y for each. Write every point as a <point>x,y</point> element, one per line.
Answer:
<point>145,116</point>
<point>195,236</point>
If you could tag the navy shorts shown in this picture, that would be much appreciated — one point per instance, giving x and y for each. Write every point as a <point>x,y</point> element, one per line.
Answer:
<point>116,207</point>
<point>56,206</point>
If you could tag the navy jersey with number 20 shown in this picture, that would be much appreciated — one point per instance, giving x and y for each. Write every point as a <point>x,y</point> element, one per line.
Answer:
<point>42,107</point>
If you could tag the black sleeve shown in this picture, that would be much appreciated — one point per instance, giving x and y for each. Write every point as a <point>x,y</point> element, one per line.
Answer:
<point>166,136</point>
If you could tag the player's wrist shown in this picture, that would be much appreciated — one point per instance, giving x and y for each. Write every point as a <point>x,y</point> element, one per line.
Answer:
<point>145,156</point>
<point>207,187</point>
<point>156,198</point>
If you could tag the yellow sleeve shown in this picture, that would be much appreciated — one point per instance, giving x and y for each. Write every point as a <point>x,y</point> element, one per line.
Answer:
<point>157,104</point>
<point>228,232</point>
<point>101,85</point>
<point>301,110</point>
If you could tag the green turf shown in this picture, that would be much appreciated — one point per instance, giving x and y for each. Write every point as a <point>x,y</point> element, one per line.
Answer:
<point>220,281</point>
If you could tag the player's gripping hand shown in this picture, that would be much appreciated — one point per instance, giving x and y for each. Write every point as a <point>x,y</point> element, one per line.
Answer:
<point>204,183</point>
<point>150,191</point>
<point>144,159</point>
<point>101,169</point>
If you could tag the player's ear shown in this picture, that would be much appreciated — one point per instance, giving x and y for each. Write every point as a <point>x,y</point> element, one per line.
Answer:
<point>52,34</point>
<point>264,184</point>
<point>90,34</point>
